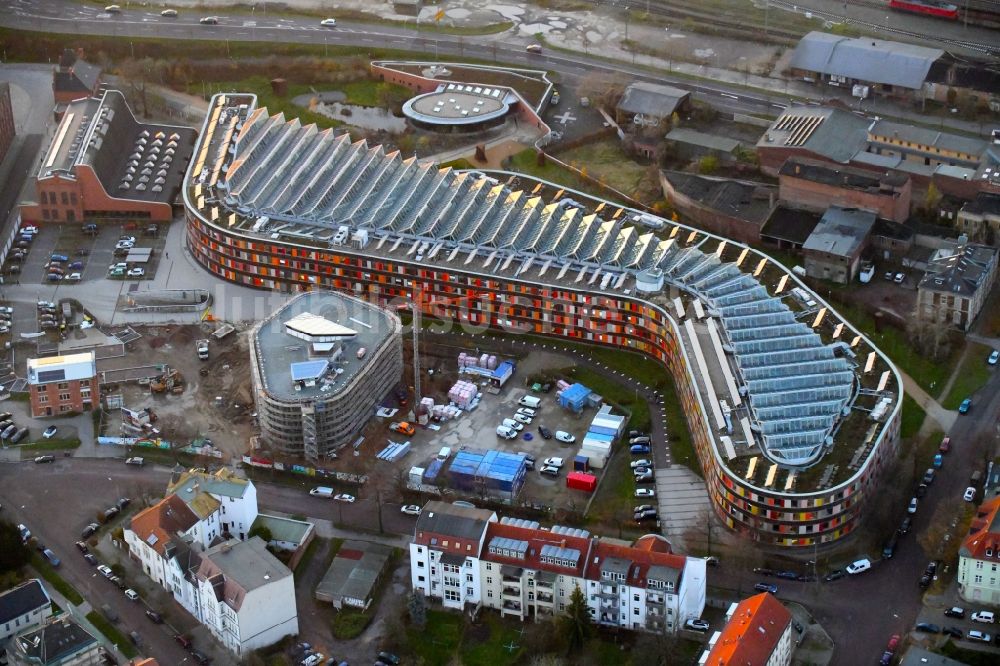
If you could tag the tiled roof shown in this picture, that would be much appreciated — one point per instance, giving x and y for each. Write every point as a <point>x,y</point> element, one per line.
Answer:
<point>984,533</point>
<point>163,521</point>
<point>557,547</point>
<point>752,633</point>
<point>458,526</point>
<point>635,562</point>
<point>960,268</point>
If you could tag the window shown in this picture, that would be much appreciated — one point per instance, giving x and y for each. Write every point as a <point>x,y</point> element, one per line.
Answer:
<point>635,611</point>
<point>468,578</point>
<point>468,592</point>
<point>64,397</point>
<point>978,579</point>
<point>489,594</point>
<point>420,564</point>
<point>63,385</point>
<point>451,595</point>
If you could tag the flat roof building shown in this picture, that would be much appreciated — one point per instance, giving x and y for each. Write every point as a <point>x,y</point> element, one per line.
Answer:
<point>319,365</point>
<point>816,185</point>
<point>651,103</point>
<point>454,105</point>
<point>354,574</point>
<point>61,384</point>
<point>833,249</point>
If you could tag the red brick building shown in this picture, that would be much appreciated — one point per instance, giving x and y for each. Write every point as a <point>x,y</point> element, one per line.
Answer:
<point>6,120</point>
<point>61,384</point>
<point>816,186</point>
<point>104,165</point>
<point>74,78</point>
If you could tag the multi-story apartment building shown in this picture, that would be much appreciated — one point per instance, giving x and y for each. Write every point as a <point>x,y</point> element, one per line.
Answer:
<point>61,642</point>
<point>23,607</point>
<point>318,365</point>
<point>758,632</point>
<point>979,556</point>
<point>246,596</point>
<point>186,543</point>
<point>957,283</point>
<point>225,504</point>
<point>61,384</point>
<point>466,557</point>
<point>793,376</point>
<point>444,554</point>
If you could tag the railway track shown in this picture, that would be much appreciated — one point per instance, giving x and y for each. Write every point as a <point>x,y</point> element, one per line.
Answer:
<point>991,49</point>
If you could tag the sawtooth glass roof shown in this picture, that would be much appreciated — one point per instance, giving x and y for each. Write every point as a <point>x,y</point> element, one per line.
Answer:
<point>316,184</point>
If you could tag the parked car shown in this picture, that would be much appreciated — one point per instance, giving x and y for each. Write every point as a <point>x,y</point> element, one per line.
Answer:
<point>637,449</point>
<point>836,574</point>
<point>955,611</point>
<point>200,657</point>
<point>136,272</point>
<point>91,560</point>
<point>344,497</point>
<point>766,587</point>
<point>51,557</point>
<point>696,625</point>
<point>859,566</point>
<point>183,641</point>
<point>131,595</point>
<point>43,459</point>
<point>644,476</point>
<point>912,506</point>
<point>50,432</point>
<point>549,470</point>
<point>642,462</point>
<point>645,492</point>
<point>945,445</point>
<point>928,628</point>
<point>73,277</point>
<point>986,617</point>
<point>154,617</point>
<point>565,437</point>
<point>89,530</point>
<point>899,278</point>
<point>994,357</point>
<point>554,462</point>
<point>977,636</point>
<point>138,462</point>
<point>82,547</point>
<point>105,571</point>
<point>522,418</point>
<point>965,406</point>
<point>954,632</point>
<point>929,476</point>
<point>643,439</point>
<point>970,494</point>
<point>388,658</point>
<point>906,525</point>
<point>544,432</point>
<point>410,509</point>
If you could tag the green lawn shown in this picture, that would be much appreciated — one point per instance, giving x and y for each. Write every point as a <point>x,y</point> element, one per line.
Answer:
<point>436,644</point>
<point>50,575</point>
<point>348,623</point>
<point>931,376</point>
<point>607,162</point>
<point>972,375</point>
<point>54,444</point>
<point>112,633</point>
<point>490,650</point>
<point>370,93</point>
<point>261,86</point>
<point>912,418</point>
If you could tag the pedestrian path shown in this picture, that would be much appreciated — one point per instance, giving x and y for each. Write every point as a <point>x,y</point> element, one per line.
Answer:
<point>945,418</point>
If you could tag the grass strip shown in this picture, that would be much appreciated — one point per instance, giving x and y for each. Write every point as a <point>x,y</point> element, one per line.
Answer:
<point>46,571</point>
<point>112,633</point>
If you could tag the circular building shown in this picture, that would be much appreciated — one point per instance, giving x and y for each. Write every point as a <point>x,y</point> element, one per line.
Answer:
<point>461,107</point>
<point>319,366</point>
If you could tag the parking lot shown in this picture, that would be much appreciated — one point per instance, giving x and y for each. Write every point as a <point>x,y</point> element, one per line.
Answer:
<point>88,253</point>
<point>476,429</point>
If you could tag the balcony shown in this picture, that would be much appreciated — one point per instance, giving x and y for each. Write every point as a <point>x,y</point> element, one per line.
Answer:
<point>609,604</point>
<point>655,599</point>
<point>512,579</point>
<point>512,606</point>
<point>511,592</point>
<point>543,598</point>
<point>544,585</point>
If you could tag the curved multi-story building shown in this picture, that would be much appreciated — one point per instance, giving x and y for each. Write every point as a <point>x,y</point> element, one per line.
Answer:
<point>319,365</point>
<point>793,413</point>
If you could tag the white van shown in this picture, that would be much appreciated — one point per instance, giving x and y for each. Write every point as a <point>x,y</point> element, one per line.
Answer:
<point>505,432</point>
<point>321,491</point>
<point>986,617</point>
<point>859,566</point>
<point>530,401</point>
<point>444,453</point>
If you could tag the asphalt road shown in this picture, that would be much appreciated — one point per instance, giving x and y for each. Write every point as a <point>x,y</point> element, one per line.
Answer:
<point>57,501</point>
<point>147,22</point>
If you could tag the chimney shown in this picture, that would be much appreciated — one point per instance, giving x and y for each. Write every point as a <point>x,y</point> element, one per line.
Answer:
<point>798,168</point>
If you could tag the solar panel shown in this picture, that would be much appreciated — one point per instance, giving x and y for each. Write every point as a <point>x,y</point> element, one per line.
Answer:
<point>45,376</point>
<point>306,370</point>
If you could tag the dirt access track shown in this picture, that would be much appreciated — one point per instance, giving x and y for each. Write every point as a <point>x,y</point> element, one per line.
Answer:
<point>216,401</point>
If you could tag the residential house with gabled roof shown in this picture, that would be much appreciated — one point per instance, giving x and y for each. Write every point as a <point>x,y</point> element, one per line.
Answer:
<point>23,607</point>
<point>979,556</point>
<point>444,554</point>
<point>246,595</point>
<point>228,503</point>
<point>162,539</point>
<point>757,633</point>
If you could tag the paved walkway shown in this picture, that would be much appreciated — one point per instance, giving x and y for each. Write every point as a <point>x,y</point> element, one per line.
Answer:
<point>945,418</point>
